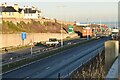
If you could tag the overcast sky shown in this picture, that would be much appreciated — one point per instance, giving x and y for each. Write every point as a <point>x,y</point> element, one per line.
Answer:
<point>74,10</point>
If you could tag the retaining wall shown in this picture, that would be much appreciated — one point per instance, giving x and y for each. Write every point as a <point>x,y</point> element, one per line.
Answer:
<point>7,40</point>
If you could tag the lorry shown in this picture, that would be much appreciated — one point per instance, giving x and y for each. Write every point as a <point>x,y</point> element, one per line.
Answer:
<point>52,42</point>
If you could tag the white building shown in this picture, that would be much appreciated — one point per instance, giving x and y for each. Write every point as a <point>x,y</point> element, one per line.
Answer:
<point>79,24</point>
<point>32,13</point>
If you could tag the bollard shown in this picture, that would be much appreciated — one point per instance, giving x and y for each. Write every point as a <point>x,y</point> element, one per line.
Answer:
<point>58,76</point>
<point>111,53</point>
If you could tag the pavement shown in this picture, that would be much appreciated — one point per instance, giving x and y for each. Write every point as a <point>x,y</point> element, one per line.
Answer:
<point>64,62</point>
<point>113,72</point>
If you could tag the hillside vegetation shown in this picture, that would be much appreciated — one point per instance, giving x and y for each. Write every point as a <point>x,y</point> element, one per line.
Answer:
<point>31,27</point>
<point>35,27</point>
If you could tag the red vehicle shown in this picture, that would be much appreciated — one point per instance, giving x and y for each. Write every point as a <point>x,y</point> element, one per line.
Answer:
<point>86,32</point>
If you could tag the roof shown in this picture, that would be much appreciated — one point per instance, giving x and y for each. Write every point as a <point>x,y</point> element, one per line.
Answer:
<point>19,10</point>
<point>29,10</point>
<point>9,9</point>
<point>39,11</point>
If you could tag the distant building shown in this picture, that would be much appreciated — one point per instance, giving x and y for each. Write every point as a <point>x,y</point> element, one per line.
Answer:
<point>81,24</point>
<point>16,12</point>
<point>87,32</point>
<point>32,13</point>
<point>10,11</point>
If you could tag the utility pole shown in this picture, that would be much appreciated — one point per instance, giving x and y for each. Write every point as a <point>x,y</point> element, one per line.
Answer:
<point>30,31</point>
<point>87,30</point>
<point>100,26</point>
<point>61,28</point>
<point>61,36</point>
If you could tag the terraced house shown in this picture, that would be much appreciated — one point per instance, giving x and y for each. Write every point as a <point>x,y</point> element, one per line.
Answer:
<point>16,12</point>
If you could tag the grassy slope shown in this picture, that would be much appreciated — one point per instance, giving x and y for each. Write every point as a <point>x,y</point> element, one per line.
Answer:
<point>35,27</point>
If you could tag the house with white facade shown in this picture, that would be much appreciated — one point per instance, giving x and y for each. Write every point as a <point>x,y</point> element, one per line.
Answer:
<point>31,13</point>
<point>7,11</point>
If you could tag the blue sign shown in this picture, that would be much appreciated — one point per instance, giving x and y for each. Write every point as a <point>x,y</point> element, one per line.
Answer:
<point>23,35</point>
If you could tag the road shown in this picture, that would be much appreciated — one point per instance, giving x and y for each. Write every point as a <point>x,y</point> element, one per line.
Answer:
<point>63,63</point>
<point>21,54</point>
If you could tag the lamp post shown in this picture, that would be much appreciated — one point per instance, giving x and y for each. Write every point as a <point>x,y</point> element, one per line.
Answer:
<point>87,30</point>
<point>100,26</point>
<point>31,33</point>
<point>61,27</point>
<point>61,35</point>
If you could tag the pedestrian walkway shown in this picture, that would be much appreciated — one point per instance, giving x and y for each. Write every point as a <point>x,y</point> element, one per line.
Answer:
<point>113,72</point>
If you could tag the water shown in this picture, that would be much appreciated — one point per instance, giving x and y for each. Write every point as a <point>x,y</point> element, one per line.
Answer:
<point>109,24</point>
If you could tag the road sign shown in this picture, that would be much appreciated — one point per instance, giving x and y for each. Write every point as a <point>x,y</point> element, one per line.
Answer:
<point>70,29</point>
<point>23,35</point>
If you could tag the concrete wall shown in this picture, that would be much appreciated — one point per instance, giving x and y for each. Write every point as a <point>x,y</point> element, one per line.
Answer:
<point>111,52</point>
<point>15,39</point>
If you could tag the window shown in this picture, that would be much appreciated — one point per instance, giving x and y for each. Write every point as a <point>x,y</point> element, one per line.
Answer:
<point>0,13</point>
<point>13,13</point>
<point>31,14</point>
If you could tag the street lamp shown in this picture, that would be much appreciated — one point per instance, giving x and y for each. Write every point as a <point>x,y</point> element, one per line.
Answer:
<point>87,30</point>
<point>30,31</point>
<point>61,35</point>
<point>61,27</point>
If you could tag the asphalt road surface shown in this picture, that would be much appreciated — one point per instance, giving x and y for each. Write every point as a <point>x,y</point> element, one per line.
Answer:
<point>63,63</point>
<point>20,54</point>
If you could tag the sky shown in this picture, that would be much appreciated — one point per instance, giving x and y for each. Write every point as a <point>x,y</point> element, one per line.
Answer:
<point>74,10</point>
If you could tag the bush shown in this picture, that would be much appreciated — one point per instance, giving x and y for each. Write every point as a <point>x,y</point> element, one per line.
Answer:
<point>22,23</point>
<point>46,23</point>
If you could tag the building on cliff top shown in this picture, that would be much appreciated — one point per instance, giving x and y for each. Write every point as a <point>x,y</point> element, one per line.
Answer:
<point>7,11</point>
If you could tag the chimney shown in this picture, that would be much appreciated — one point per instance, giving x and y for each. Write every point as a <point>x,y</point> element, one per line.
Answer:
<point>4,4</point>
<point>33,8</point>
<point>24,7</point>
<point>16,7</point>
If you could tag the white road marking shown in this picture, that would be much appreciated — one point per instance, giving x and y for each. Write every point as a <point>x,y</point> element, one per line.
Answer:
<point>47,67</point>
